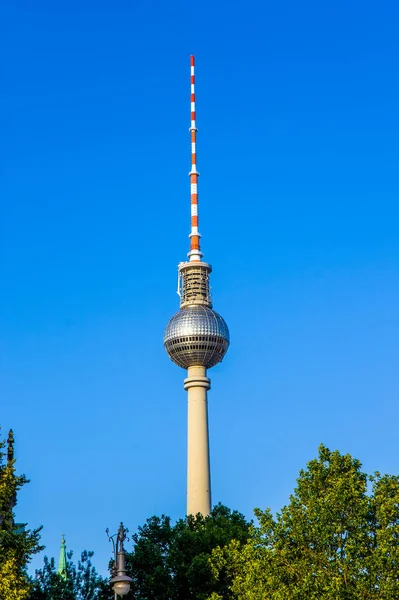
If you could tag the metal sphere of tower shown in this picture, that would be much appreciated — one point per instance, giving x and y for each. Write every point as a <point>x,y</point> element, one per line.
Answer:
<point>196,338</point>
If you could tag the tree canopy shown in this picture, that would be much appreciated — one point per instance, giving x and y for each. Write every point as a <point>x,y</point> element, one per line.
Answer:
<point>338,538</point>
<point>81,581</point>
<point>17,544</point>
<point>171,562</point>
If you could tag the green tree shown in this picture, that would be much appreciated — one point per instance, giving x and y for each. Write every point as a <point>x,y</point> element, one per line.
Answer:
<point>336,539</point>
<point>383,563</point>
<point>171,562</point>
<point>82,581</point>
<point>17,544</point>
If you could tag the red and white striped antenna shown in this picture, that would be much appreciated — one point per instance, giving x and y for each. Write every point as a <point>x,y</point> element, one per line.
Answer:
<point>195,253</point>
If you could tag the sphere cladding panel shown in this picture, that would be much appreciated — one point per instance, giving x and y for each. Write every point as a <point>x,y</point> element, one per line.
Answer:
<point>196,335</point>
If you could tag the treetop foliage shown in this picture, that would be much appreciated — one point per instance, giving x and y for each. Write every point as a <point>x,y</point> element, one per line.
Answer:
<point>17,544</point>
<point>171,562</point>
<point>338,538</point>
<point>82,581</point>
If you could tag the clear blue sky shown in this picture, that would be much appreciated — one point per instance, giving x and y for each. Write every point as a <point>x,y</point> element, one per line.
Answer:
<point>297,107</point>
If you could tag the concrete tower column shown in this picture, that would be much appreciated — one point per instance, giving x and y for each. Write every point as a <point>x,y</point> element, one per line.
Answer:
<point>198,468</point>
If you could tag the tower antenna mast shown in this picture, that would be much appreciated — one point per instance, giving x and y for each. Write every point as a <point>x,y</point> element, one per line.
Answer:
<point>195,253</point>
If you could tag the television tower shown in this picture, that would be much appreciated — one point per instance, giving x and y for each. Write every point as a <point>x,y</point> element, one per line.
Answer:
<point>196,338</point>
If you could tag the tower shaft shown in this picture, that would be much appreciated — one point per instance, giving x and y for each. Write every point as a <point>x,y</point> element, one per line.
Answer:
<point>197,385</point>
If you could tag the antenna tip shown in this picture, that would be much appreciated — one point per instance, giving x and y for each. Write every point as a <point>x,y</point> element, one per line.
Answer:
<point>192,60</point>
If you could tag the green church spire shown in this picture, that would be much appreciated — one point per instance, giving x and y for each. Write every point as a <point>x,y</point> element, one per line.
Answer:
<point>62,566</point>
